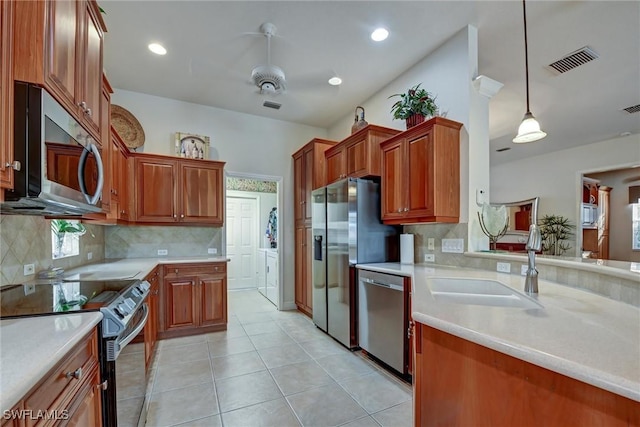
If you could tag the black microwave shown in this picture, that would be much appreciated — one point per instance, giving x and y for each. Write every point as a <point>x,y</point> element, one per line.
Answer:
<point>59,170</point>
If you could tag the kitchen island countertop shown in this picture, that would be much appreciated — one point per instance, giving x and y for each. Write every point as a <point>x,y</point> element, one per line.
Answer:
<point>31,346</point>
<point>579,334</point>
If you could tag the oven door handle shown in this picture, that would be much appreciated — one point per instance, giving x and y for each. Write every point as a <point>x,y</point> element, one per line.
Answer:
<point>126,340</point>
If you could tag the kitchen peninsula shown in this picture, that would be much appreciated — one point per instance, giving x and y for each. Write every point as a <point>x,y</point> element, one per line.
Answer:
<point>576,355</point>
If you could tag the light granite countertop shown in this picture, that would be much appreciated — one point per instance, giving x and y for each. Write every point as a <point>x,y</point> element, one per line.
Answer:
<point>577,333</point>
<point>130,268</point>
<point>30,347</point>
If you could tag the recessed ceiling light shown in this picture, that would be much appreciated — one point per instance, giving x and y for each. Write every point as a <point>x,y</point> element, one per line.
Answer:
<point>158,49</point>
<point>335,81</point>
<point>379,34</point>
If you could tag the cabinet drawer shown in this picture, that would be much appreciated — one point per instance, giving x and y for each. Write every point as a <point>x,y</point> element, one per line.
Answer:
<point>59,385</point>
<point>183,270</point>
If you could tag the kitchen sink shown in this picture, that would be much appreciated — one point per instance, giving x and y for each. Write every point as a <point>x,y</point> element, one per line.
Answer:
<point>478,292</point>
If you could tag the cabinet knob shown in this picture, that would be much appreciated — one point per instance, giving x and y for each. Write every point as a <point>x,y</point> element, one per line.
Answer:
<point>83,105</point>
<point>103,385</point>
<point>175,215</point>
<point>77,374</point>
<point>15,165</point>
<point>88,111</point>
<point>406,209</point>
<point>399,210</point>
<point>182,216</point>
<point>176,271</point>
<point>216,269</point>
<point>123,211</point>
<point>155,292</point>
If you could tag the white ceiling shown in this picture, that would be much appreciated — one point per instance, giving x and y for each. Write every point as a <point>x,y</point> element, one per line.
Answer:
<point>210,58</point>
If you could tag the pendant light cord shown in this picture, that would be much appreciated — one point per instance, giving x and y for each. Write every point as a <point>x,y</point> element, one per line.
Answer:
<point>526,51</point>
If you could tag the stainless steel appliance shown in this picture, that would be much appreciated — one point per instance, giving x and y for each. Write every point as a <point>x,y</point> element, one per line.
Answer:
<point>383,318</point>
<point>58,169</point>
<point>125,313</point>
<point>346,231</point>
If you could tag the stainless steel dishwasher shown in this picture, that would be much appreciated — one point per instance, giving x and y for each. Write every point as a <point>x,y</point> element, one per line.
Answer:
<point>382,318</point>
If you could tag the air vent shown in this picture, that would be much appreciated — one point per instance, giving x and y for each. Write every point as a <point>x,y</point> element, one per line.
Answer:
<point>633,109</point>
<point>270,104</point>
<point>500,150</point>
<point>574,59</point>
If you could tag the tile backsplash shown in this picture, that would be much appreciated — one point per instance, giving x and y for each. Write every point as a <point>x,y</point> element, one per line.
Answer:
<point>26,239</point>
<point>145,241</point>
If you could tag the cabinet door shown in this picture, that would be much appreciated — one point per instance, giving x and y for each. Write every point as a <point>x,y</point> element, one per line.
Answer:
<point>6,94</point>
<point>107,152</point>
<point>60,50</point>
<point>124,190</point>
<point>156,190</point>
<point>299,267</point>
<point>89,411</point>
<point>213,299</point>
<point>309,168</point>
<point>393,187</point>
<point>358,159</point>
<point>180,299</point>
<point>308,263</point>
<point>201,193</point>
<point>299,188</point>
<point>420,183</point>
<point>336,168</point>
<point>90,67</point>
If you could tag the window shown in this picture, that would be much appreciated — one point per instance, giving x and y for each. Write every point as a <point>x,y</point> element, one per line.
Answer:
<point>635,224</point>
<point>65,238</point>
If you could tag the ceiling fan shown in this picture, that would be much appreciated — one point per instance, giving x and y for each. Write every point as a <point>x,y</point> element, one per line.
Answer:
<point>269,78</point>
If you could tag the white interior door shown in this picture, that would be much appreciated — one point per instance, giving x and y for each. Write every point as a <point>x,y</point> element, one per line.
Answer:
<point>242,218</point>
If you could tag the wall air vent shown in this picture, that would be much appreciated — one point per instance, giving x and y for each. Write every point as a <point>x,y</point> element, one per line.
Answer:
<point>500,150</point>
<point>270,104</point>
<point>633,109</point>
<point>574,59</point>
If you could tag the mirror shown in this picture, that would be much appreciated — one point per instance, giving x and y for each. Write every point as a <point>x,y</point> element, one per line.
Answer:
<point>519,215</point>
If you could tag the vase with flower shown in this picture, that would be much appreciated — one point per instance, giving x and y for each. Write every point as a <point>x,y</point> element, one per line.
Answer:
<point>414,106</point>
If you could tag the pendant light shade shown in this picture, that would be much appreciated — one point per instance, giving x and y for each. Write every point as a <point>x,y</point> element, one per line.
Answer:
<point>529,129</point>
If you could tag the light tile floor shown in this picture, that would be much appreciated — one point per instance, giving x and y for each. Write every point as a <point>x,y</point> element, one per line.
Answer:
<point>271,368</point>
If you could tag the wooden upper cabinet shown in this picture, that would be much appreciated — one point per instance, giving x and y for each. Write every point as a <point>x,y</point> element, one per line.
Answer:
<point>107,152</point>
<point>156,181</point>
<point>309,174</point>
<point>201,192</point>
<point>63,53</point>
<point>6,94</point>
<point>421,174</point>
<point>358,155</point>
<point>171,190</point>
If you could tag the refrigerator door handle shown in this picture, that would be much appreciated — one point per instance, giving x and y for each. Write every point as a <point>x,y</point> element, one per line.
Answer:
<point>317,248</point>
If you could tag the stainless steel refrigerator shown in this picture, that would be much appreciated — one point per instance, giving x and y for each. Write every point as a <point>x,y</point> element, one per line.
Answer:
<point>347,230</point>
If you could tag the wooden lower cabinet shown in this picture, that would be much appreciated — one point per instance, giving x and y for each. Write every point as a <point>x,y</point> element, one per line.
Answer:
<point>303,270</point>
<point>69,394</point>
<point>460,383</point>
<point>194,299</point>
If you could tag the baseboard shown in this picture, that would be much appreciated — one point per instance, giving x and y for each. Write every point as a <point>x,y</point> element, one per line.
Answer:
<point>288,306</point>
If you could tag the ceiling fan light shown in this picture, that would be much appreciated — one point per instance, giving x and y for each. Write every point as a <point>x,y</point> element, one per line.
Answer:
<point>529,130</point>
<point>335,81</point>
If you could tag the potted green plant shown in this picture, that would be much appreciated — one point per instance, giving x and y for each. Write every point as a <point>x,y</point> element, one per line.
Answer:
<point>414,106</point>
<point>555,229</point>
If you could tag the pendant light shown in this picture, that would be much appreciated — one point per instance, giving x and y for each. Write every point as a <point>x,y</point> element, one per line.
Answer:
<point>529,129</point>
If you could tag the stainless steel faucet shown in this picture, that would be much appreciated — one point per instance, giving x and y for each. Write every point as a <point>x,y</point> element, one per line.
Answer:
<point>534,244</point>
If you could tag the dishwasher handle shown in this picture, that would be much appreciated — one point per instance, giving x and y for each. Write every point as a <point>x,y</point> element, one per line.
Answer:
<point>384,285</point>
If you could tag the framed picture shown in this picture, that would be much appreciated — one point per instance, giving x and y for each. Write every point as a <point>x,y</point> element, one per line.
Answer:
<point>192,146</point>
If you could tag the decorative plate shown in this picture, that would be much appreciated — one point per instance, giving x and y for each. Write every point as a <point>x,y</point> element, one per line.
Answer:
<point>127,126</point>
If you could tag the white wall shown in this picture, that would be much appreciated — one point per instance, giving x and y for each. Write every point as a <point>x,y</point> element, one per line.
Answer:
<point>248,144</point>
<point>556,177</point>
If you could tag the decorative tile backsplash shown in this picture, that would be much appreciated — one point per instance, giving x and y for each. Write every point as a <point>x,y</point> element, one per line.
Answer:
<point>145,241</point>
<point>26,239</point>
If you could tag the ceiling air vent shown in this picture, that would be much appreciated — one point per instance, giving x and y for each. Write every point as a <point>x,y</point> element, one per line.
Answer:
<point>574,59</point>
<point>270,104</point>
<point>633,109</point>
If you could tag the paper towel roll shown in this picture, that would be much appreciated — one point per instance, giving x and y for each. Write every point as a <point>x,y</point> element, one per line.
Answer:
<point>406,249</point>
